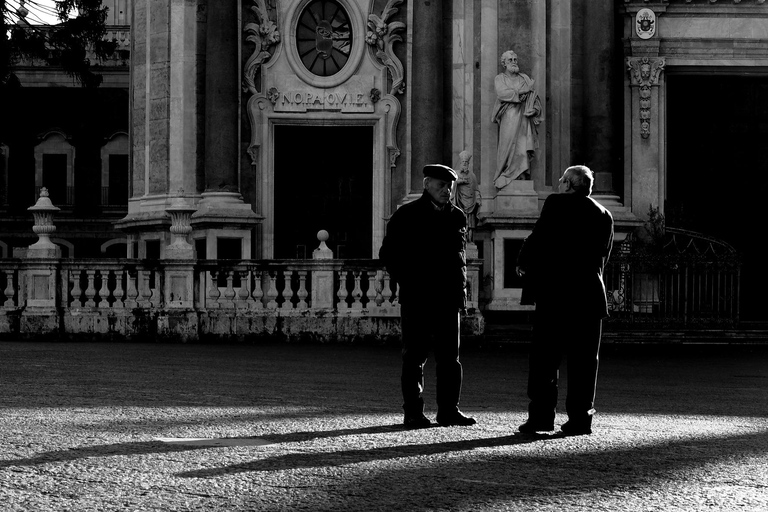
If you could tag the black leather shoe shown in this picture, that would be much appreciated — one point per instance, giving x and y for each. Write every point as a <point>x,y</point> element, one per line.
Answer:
<point>417,421</point>
<point>455,419</point>
<point>570,428</point>
<point>531,427</point>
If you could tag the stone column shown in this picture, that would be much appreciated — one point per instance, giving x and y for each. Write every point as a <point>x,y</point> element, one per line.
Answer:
<point>426,89</point>
<point>598,98</point>
<point>221,211</point>
<point>221,98</point>
<point>164,110</point>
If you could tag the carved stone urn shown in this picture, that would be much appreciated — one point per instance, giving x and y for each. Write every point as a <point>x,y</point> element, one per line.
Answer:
<point>43,212</point>
<point>180,213</point>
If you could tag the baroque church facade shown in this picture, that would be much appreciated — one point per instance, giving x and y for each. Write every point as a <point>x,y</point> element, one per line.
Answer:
<point>273,120</point>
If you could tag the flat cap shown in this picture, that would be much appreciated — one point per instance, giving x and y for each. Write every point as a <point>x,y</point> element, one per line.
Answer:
<point>440,172</point>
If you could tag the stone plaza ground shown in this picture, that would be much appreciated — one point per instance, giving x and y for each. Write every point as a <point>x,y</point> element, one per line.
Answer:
<point>106,426</point>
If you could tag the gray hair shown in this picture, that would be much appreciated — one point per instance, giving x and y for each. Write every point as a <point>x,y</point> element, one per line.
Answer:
<point>507,55</point>
<point>581,179</point>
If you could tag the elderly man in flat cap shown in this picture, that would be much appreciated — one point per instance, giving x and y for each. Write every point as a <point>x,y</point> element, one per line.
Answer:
<point>424,252</point>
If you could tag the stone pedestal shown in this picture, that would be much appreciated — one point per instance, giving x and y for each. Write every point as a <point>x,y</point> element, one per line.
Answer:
<point>224,215</point>
<point>517,197</point>
<point>179,285</point>
<point>322,275</point>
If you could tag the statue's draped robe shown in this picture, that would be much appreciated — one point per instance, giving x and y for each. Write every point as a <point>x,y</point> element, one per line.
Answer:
<point>466,195</point>
<point>518,112</point>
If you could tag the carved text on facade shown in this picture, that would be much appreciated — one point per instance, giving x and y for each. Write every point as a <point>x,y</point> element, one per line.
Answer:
<point>293,95</point>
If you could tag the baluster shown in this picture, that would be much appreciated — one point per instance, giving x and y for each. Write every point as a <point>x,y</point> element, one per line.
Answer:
<point>341,293</point>
<point>386,289</point>
<point>102,292</point>
<point>9,291</point>
<point>371,294</point>
<point>140,289</point>
<point>229,291</point>
<point>132,292</point>
<point>357,292</point>
<point>152,299</point>
<point>258,293</point>
<point>287,291</point>
<point>244,293</point>
<point>271,290</point>
<point>90,291</point>
<point>77,290</point>
<point>213,290</point>
<point>118,292</point>
<point>302,292</point>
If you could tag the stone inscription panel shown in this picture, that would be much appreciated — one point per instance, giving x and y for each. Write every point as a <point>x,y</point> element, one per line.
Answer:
<point>291,94</point>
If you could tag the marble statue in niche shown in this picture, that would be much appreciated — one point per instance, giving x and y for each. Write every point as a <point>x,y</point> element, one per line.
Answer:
<point>466,194</point>
<point>518,113</point>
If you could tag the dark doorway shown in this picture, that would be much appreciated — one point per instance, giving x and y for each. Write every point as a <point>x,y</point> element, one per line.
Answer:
<point>716,167</point>
<point>323,180</point>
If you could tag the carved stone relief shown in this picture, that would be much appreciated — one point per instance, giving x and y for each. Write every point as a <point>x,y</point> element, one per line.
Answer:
<point>644,73</point>
<point>265,36</point>
<point>381,37</point>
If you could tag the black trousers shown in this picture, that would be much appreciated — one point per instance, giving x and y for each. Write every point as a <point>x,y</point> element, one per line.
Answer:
<point>435,330</point>
<point>578,341</point>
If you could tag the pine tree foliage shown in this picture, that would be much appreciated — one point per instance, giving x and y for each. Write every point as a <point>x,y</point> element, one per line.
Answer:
<point>78,31</point>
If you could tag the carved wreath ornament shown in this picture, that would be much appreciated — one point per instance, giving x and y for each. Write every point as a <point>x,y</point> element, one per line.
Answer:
<point>381,37</point>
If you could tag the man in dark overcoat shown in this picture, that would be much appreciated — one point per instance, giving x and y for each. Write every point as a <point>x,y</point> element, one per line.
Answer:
<point>562,264</point>
<point>424,253</point>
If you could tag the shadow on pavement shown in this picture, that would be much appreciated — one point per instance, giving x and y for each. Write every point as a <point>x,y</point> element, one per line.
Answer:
<point>311,460</point>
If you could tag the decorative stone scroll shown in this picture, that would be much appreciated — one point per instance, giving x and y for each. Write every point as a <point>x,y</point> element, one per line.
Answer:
<point>644,73</point>
<point>381,37</point>
<point>264,35</point>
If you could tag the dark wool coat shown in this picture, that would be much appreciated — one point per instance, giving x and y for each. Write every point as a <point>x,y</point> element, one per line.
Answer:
<point>424,252</point>
<point>565,255</point>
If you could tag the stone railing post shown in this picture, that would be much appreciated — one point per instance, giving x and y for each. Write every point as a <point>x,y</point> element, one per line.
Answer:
<point>38,274</point>
<point>322,276</point>
<point>179,271</point>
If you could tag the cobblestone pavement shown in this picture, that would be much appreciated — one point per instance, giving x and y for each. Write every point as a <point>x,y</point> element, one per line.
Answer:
<point>105,426</point>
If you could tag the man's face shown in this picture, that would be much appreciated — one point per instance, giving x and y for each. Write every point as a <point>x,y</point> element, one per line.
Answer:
<point>510,64</point>
<point>439,190</point>
<point>563,185</point>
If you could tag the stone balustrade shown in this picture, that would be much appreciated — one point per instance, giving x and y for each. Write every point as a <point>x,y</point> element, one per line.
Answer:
<point>189,300</point>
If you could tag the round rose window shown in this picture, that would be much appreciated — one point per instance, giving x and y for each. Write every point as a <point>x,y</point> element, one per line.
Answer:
<point>324,37</point>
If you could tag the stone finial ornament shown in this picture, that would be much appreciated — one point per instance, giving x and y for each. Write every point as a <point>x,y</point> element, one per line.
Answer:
<point>43,212</point>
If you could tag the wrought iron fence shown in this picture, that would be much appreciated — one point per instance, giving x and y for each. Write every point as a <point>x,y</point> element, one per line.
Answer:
<point>687,280</point>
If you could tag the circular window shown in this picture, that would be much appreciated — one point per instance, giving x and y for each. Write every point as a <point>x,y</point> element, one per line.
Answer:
<point>324,37</point>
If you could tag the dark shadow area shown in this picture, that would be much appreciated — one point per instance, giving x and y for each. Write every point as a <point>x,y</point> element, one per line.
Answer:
<point>457,482</point>
<point>311,460</point>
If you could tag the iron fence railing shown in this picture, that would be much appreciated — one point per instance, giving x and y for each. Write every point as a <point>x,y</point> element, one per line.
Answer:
<point>688,280</point>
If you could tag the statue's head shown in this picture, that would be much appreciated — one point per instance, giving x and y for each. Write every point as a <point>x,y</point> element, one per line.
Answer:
<point>509,61</point>
<point>464,157</point>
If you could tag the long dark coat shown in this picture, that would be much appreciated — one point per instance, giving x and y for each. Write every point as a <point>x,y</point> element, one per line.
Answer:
<point>424,252</point>
<point>565,255</point>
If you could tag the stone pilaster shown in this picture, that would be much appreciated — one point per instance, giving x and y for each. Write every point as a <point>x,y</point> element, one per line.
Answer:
<point>425,89</point>
<point>598,99</point>
<point>645,122</point>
